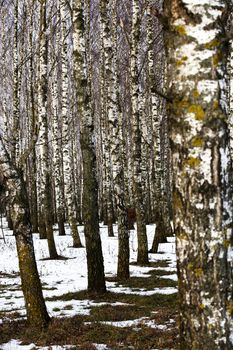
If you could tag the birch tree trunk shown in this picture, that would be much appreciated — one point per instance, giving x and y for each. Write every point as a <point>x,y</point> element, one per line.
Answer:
<point>116,144</point>
<point>96,281</point>
<point>57,161</point>
<point>33,133</point>
<point>156,122</point>
<point>46,198</point>
<point>137,139</point>
<point>230,66</point>
<point>67,147</point>
<point>201,165</point>
<point>106,100</point>
<point>13,181</point>
<point>16,83</point>
<point>37,315</point>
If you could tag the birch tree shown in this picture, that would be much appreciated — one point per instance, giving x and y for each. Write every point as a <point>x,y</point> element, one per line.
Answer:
<point>57,134</point>
<point>16,86</point>
<point>96,281</point>
<point>33,127</point>
<point>13,175</point>
<point>137,139</point>
<point>57,159</point>
<point>37,315</point>
<point>230,67</point>
<point>107,45</point>
<point>67,145</point>
<point>201,163</point>
<point>46,199</point>
<point>156,134</point>
<point>115,125</point>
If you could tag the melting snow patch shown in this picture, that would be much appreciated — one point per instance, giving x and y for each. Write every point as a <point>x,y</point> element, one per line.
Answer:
<point>101,346</point>
<point>143,321</point>
<point>16,345</point>
<point>125,290</point>
<point>170,277</point>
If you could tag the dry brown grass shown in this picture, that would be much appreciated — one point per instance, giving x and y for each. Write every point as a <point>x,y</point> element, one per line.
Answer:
<point>75,331</point>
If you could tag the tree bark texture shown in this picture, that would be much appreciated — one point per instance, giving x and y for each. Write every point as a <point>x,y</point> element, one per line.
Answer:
<point>137,139</point>
<point>46,196</point>
<point>37,315</point>
<point>96,281</point>
<point>202,197</point>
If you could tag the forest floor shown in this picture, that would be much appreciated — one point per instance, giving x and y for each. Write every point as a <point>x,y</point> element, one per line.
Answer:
<point>140,314</point>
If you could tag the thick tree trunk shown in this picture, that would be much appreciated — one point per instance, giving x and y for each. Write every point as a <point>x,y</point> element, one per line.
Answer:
<point>96,281</point>
<point>13,181</point>
<point>37,315</point>
<point>201,166</point>
<point>115,138</point>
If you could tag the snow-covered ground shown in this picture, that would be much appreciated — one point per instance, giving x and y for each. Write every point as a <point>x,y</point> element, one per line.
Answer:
<point>62,276</point>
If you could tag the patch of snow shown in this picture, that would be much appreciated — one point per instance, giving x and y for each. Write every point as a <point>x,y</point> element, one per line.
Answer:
<point>145,321</point>
<point>142,292</point>
<point>101,346</point>
<point>167,247</point>
<point>16,345</point>
<point>170,277</point>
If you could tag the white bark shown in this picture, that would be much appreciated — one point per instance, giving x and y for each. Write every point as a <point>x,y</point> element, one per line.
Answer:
<point>16,145</point>
<point>67,145</point>
<point>137,139</point>
<point>46,200</point>
<point>96,281</point>
<point>201,161</point>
